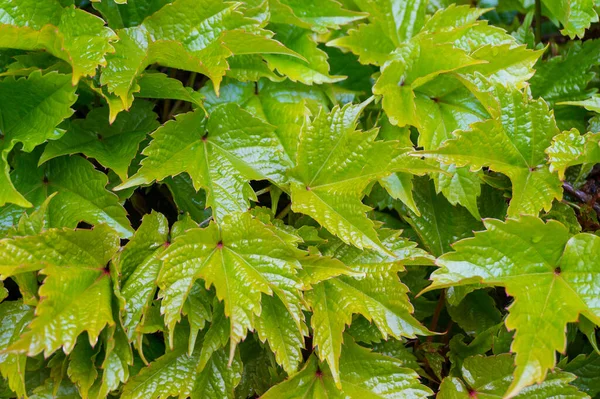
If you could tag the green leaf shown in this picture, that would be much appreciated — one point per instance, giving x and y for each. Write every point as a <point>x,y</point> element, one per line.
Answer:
<point>71,34</point>
<point>243,258</point>
<point>186,197</point>
<point>82,369</point>
<point>390,25</point>
<point>15,317</point>
<point>283,105</point>
<point>158,85</point>
<point>34,223</point>
<point>378,295</point>
<point>513,143</point>
<point>571,148</point>
<point>138,264</point>
<point>488,377</point>
<point>452,109</point>
<point>334,166</point>
<point>412,65</point>
<point>80,192</point>
<point>586,368</point>
<point>76,294</point>
<point>170,37</point>
<point>221,154</point>
<point>117,361</point>
<point>125,14</point>
<point>475,313</point>
<point>30,110</point>
<point>321,16</point>
<point>362,373</point>
<point>176,374</point>
<point>550,274</point>
<point>575,15</point>
<point>112,145</point>
<point>313,68</point>
<point>553,85</point>
<point>439,224</point>
<point>467,45</point>
<point>277,325</point>
<point>197,308</point>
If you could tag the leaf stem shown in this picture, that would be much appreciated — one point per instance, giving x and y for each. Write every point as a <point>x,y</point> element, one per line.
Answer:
<point>284,212</point>
<point>205,222</point>
<point>192,80</point>
<point>263,191</point>
<point>436,314</point>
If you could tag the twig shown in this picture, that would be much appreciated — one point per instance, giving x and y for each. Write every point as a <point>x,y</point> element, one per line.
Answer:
<point>580,195</point>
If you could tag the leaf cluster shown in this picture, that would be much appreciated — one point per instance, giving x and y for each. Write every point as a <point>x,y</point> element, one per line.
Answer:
<point>299,199</point>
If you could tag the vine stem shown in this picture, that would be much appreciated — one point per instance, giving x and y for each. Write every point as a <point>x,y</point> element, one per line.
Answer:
<point>436,314</point>
<point>205,222</point>
<point>263,191</point>
<point>284,212</point>
<point>580,195</point>
<point>538,21</point>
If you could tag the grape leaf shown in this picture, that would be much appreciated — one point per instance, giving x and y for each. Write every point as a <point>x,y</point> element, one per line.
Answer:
<point>30,110</point>
<point>446,111</point>
<point>242,258</point>
<point>80,192</point>
<point>112,145</point>
<point>311,68</point>
<point>138,265</point>
<point>550,274</point>
<point>170,37</point>
<point>575,15</point>
<point>571,148</point>
<point>176,374</point>
<point>321,16</point>
<point>335,164</point>
<point>412,65</point>
<point>586,369</point>
<point>553,85</point>
<point>591,104</point>
<point>283,105</point>
<point>117,361</point>
<point>362,373</point>
<point>489,377</point>
<point>439,224</point>
<point>159,85</point>
<point>206,149</point>
<point>15,317</point>
<point>512,142</point>
<point>76,294</point>
<point>82,370</point>
<point>390,24</point>
<point>468,46</point>
<point>127,13</point>
<point>377,294</point>
<point>71,34</point>
<point>186,197</point>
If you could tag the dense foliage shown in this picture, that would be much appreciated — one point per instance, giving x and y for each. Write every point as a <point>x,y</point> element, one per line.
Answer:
<point>299,199</point>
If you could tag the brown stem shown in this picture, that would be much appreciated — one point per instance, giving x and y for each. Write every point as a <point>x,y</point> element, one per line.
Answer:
<point>581,196</point>
<point>436,314</point>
